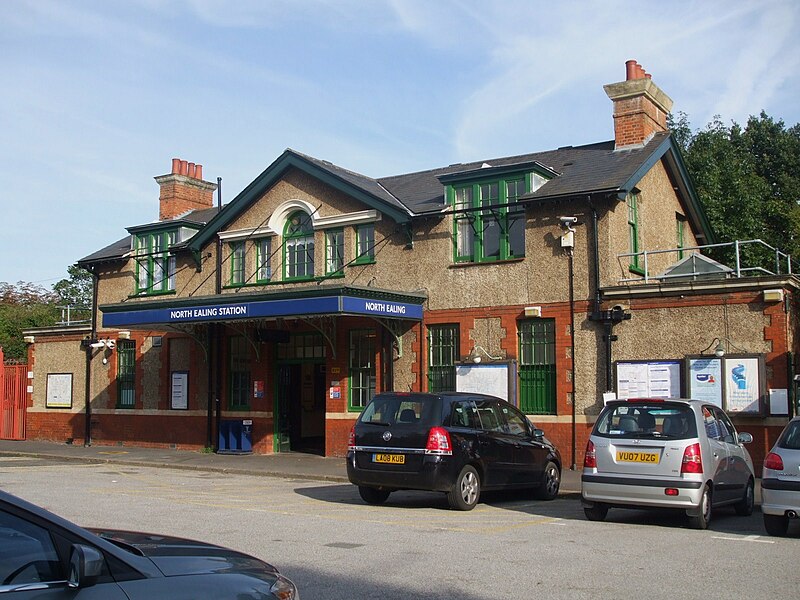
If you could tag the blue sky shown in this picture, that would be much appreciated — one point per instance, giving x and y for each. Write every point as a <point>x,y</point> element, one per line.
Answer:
<point>98,96</point>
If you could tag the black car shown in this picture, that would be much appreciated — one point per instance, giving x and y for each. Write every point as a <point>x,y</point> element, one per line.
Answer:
<point>43,556</point>
<point>454,442</point>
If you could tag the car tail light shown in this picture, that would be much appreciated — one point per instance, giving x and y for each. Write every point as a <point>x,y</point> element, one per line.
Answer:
<point>692,460</point>
<point>774,462</point>
<point>590,457</point>
<point>351,441</point>
<point>438,442</point>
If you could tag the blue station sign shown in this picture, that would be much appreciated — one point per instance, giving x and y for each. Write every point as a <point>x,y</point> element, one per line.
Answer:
<point>325,305</point>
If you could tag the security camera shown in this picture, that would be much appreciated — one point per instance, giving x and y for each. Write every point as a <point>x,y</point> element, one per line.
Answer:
<point>566,221</point>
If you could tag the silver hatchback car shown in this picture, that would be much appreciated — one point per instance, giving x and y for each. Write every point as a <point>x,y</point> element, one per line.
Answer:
<point>780,484</point>
<point>658,453</point>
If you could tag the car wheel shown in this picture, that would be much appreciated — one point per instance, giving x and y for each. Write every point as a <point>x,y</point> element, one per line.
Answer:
<point>372,495</point>
<point>597,512</point>
<point>466,491</point>
<point>551,482</point>
<point>744,507</point>
<point>700,521</point>
<point>776,525</point>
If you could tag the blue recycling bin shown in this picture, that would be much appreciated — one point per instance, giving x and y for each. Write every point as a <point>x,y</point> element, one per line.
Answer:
<point>235,436</point>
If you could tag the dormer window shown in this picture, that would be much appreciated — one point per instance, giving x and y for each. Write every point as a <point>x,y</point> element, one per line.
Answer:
<point>488,225</point>
<point>155,268</point>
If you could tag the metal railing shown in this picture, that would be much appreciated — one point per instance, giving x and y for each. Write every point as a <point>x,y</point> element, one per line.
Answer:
<point>780,258</point>
<point>68,315</point>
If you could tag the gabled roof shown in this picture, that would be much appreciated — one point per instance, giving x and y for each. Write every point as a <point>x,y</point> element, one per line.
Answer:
<point>576,171</point>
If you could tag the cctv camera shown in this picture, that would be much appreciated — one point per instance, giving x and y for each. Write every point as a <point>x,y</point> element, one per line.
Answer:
<point>565,221</point>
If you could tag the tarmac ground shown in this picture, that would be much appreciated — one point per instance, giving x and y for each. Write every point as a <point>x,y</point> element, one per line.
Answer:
<point>290,465</point>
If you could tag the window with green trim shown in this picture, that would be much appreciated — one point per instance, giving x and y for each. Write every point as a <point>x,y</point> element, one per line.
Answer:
<point>632,202</point>
<point>365,243</point>
<point>488,225</point>
<point>263,256</point>
<point>680,233</point>
<point>236,258</point>
<point>126,373</point>
<point>238,373</point>
<point>298,247</point>
<point>537,366</point>
<point>334,251</point>
<point>155,268</point>
<point>361,367</point>
<point>442,356</point>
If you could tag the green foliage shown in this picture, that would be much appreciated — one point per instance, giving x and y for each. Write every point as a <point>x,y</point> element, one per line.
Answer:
<point>76,290</point>
<point>23,306</point>
<point>748,181</point>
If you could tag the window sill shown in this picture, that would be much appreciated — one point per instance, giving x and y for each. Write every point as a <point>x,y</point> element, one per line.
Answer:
<point>503,261</point>
<point>151,294</point>
<point>365,261</point>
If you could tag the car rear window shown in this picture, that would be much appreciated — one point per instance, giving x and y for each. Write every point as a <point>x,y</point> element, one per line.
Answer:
<point>790,439</point>
<point>647,420</point>
<point>393,409</point>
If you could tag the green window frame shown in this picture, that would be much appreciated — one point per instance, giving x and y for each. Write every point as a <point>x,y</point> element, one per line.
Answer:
<point>263,256</point>
<point>238,373</point>
<point>298,247</point>
<point>443,352</point>
<point>634,240</point>
<point>680,234</point>
<point>237,258</point>
<point>537,366</point>
<point>302,346</point>
<point>365,244</point>
<point>361,368</point>
<point>155,267</point>
<point>488,225</point>
<point>126,374</point>
<point>334,252</point>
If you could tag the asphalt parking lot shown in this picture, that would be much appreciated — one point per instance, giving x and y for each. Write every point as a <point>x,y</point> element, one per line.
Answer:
<point>334,546</point>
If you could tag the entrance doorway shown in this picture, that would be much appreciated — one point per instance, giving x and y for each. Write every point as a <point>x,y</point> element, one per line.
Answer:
<point>300,408</point>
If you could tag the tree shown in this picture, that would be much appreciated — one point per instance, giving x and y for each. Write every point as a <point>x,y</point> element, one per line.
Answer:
<point>23,306</point>
<point>76,290</point>
<point>748,181</point>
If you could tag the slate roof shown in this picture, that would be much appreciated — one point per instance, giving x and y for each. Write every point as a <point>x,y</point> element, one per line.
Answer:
<point>578,171</point>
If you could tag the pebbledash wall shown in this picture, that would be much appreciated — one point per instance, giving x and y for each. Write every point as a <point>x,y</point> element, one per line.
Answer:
<point>487,301</point>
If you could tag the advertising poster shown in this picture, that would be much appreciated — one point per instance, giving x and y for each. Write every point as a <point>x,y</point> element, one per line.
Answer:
<point>705,380</point>
<point>742,385</point>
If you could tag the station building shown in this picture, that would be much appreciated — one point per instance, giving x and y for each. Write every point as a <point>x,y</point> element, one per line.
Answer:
<point>555,279</point>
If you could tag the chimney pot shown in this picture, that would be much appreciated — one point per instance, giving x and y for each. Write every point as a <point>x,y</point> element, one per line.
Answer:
<point>190,170</point>
<point>630,70</point>
<point>184,167</point>
<point>176,165</point>
<point>198,171</point>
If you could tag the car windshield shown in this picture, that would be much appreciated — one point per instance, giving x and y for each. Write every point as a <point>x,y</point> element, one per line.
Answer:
<point>791,437</point>
<point>392,409</point>
<point>647,420</point>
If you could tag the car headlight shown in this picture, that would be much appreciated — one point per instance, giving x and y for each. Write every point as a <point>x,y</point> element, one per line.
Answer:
<point>284,589</point>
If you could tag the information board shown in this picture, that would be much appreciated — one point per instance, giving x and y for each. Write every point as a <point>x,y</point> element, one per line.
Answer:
<point>59,390</point>
<point>649,379</point>
<point>180,390</point>
<point>495,379</point>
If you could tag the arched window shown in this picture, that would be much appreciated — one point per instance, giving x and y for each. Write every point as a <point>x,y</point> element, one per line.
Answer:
<point>298,246</point>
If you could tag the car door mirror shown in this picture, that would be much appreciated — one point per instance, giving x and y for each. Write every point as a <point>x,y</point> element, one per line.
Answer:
<point>745,438</point>
<point>85,566</point>
<point>538,433</point>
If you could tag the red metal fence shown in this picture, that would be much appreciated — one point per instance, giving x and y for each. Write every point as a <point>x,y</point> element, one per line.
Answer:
<point>12,400</point>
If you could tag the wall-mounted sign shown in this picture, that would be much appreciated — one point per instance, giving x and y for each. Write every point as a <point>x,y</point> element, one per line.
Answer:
<point>335,392</point>
<point>649,379</point>
<point>705,380</point>
<point>742,385</point>
<point>59,390</point>
<point>258,389</point>
<point>179,397</point>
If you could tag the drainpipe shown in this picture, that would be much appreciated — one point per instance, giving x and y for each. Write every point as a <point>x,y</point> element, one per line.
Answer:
<point>87,435</point>
<point>572,342</point>
<point>217,330</point>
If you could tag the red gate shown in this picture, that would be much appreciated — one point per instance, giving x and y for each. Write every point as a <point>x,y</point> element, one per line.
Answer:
<point>12,400</point>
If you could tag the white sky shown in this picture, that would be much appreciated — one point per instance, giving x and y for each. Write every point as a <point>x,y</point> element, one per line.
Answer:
<point>99,96</point>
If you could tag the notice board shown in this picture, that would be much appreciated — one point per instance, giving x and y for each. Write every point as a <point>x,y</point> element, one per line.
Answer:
<point>649,379</point>
<point>496,379</point>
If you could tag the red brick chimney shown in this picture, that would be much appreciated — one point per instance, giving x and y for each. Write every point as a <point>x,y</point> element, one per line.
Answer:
<point>183,190</point>
<point>640,107</point>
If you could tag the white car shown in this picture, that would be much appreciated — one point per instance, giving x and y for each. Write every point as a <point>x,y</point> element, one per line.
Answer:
<point>780,482</point>
<point>657,453</point>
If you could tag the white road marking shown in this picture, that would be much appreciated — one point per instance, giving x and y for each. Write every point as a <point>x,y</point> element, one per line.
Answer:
<point>746,538</point>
